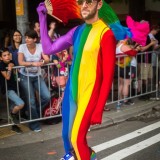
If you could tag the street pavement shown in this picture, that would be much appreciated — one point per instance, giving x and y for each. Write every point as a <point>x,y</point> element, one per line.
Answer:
<point>54,131</point>
<point>129,140</point>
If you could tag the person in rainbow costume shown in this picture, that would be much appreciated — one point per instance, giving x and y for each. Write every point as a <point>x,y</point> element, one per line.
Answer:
<point>91,73</point>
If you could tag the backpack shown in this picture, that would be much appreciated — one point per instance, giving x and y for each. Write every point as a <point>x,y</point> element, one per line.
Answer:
<point>124,61</point>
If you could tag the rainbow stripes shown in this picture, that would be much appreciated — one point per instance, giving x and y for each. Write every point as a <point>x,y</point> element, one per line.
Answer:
<point>83,86</point>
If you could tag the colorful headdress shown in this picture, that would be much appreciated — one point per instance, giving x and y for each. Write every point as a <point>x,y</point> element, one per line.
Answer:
<point>140,30</point>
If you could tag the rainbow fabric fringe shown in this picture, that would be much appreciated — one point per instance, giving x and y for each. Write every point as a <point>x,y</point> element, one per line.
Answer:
<point>110,18</point>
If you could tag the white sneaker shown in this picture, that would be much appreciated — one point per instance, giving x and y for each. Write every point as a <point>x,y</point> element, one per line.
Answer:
<point>37,130</point>
<point>68,156</point>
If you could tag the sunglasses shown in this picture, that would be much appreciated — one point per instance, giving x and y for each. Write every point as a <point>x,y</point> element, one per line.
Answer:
<point>88,2</point>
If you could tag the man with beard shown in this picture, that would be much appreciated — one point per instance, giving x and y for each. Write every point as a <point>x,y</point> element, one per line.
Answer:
<point>90,77</point>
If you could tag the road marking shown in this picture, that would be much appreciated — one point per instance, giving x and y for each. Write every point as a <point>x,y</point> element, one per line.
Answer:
<point>133,149</point>
<point>126,137</point>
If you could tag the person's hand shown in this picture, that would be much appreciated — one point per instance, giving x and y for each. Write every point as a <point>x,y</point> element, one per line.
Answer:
<point>96,118</point>
<point>10,65</point>
<point>52,25</point>
<point>42,8</point>
<point>9,68</point>
<point>153,42</point>
<point>138,48</point>
<point>55,61</point>
<point>64,59</point>
<point>37,64</point>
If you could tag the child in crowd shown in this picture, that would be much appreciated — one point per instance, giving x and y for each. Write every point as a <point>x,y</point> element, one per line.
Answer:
<point>61,60</point>
<point>7,75</point>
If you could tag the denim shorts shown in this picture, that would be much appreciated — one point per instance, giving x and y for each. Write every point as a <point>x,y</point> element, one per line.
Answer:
<point>14,99</point>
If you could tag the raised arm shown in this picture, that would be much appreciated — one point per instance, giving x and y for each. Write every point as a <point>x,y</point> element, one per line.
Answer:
<point>61,43</point>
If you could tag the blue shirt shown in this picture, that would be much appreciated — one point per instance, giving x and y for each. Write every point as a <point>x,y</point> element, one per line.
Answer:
<point>14,53</point>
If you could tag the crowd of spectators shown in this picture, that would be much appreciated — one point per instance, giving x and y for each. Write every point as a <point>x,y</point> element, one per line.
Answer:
<point>34,92</point>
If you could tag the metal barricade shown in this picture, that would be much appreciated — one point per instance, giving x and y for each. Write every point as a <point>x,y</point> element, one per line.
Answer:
<point>114,97</point>
<point>6,109</point>
<point>135,83</point>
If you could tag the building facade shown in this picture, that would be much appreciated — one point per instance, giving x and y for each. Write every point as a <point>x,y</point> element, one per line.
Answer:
<point>18,14</point>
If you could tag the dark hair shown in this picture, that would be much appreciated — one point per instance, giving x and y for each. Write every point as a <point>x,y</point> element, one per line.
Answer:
<point>32,34</point>
<point>3,50</point>
<point>12,41</point>
<point>32,25</point>
<point>130,41</point>
<point>155,27</point>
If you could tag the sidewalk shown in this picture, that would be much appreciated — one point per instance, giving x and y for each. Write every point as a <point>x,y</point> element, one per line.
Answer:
<point>54,131</point>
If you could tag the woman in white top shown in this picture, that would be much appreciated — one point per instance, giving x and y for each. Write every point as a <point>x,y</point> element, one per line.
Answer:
<point>125,68</point>
<point>31,56</point>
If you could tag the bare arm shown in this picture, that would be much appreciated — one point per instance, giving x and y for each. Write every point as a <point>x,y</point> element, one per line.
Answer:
<point>27,64</point>
<point>144,48</point>
<point>7,74</point>
<point>128,50</point>
<point>45,58</point>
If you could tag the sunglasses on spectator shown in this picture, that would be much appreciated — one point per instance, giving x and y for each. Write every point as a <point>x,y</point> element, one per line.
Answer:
<point>87,2</point>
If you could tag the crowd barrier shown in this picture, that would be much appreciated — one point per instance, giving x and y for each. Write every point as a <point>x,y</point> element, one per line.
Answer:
<point>151,83</point>
<point>114,97</point>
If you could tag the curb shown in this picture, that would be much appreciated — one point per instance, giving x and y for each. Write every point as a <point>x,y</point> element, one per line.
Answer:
<point>124,114</point>
<point>54,131</point>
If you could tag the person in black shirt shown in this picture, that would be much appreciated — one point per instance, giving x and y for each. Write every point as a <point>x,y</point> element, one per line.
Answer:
<point>8,84</point>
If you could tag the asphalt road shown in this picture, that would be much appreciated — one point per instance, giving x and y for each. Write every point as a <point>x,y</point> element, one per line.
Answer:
<point>130,140</point>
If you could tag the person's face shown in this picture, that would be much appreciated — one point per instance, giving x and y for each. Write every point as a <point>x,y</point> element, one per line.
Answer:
<point>88,8</point>
<point>155,31</point>
<point>29,40</point>
<point>17,37</point>
<point>52,25</point>
<point>37,27</point>
<point>6,57</point>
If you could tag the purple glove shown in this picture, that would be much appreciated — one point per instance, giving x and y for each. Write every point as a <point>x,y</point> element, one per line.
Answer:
<point>41,9</point>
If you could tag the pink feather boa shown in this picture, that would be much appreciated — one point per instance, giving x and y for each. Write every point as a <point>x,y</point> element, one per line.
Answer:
<point>140,30</point>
